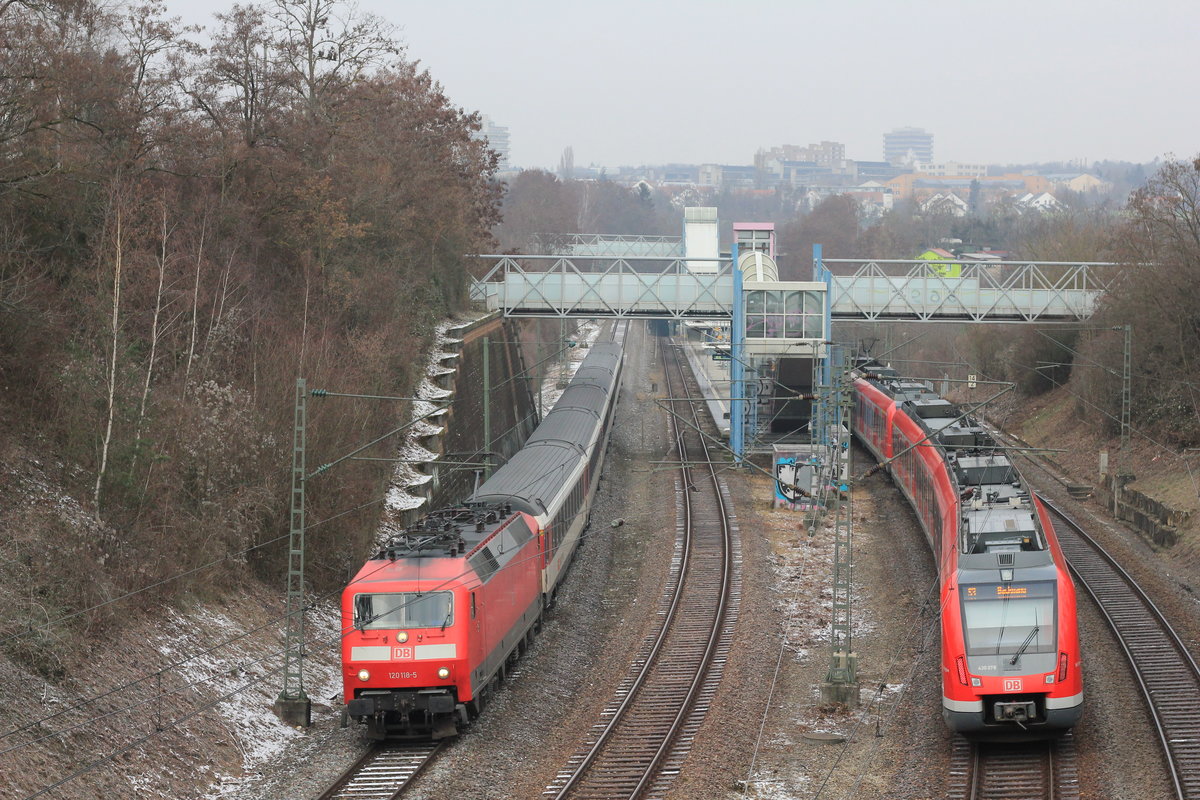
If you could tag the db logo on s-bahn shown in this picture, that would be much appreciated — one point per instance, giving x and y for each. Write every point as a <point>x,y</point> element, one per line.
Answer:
<point>1012,684</point>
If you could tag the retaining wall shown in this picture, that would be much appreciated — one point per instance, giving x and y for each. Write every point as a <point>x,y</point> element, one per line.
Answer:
<point>1157,521</point>
<point>460,442</point>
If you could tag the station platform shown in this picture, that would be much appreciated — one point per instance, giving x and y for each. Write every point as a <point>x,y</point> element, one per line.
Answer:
<point>713,377</point>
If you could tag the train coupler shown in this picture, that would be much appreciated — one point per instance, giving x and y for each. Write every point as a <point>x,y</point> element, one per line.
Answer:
<point>1019,712</point>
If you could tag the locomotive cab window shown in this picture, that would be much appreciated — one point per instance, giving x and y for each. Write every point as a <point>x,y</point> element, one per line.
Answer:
<point>395,610</point>
<point>1004,618</point>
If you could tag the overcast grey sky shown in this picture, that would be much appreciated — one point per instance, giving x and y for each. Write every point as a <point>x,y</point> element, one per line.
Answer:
<point>629,82</point>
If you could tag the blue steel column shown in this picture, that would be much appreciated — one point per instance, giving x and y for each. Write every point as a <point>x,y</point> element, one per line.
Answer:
<point>822,274</point>
<point>737,372</point>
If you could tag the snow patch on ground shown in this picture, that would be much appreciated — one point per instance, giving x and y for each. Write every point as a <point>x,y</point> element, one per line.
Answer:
<point>257,732</point>
<point>782,790</point>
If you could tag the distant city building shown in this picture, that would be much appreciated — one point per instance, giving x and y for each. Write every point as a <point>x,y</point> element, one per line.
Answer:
<point>944,205</point>
<point>1044,203</point>
<point>828,155</point>
<point>875,170</point>
<point>919,186</point>
<point>727,175</point>
<point>795,166</point>
<point>678,173</point>
<point>955,169</point>
<point>908,146</point>
<point>1080,182</point>
<point>497,139</point>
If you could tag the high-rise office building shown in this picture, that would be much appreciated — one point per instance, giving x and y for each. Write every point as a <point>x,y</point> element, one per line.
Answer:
<point>908,145</point>
<point>497,137</point>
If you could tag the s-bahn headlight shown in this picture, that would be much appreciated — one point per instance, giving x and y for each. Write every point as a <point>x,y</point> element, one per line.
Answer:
<point>1050,678</point>
<point>976,681</point>
<point>363,675</point>
<point>443,673</point>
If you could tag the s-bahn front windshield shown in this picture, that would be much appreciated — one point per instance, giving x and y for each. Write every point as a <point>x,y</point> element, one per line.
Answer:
<point>400,610</point>
<point>1004,618</point>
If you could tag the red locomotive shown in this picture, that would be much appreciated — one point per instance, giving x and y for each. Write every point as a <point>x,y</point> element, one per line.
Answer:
<point>1010,644</point>
<point>431,623</point>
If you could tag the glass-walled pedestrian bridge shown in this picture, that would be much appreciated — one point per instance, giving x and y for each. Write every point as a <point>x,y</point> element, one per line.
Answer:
<point>762,327</point>
<point>672,287</point>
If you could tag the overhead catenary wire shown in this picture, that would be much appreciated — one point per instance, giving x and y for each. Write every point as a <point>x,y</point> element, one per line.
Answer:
<point>308,605</point>
<point>147,700</point>
<point>177,576</point>
<point>94,764</point>
<point>845,748</point>
<point>783,643</point>
<point>927,639</point>
<point>275,620</point>
<point>215,562</point>
<point>141,740</point>
<point>228,556</point>
<point>160,672</point>
<point>1133,429</point>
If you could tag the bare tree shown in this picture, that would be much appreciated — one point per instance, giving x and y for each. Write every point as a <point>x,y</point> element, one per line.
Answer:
<point>566,164</point>
<point>115,332</point>
<point>323,45</point>
<point>160,261</point>
<point>199,259</point>
<point>241,81</point>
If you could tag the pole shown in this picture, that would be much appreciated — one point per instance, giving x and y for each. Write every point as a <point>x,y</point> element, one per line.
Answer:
<point>841,681</point>
<point>737,371</point>
<point>487,405</point>
<point>822,274</point>
<point>293,705</point>
<point>1124,472</point>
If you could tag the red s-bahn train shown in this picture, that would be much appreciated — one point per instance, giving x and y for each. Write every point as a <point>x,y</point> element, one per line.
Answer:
<point>1011,665</point>
<point>434,620</point>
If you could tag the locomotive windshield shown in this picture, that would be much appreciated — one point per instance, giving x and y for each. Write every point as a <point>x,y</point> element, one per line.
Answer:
<point>396,610</point>
<point>1009,618</point>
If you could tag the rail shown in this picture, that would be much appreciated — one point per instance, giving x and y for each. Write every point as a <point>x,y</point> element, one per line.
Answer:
<point>384,772</point>
<point>1162,665</point>
<point>629,751</point>
<point>991,771</point>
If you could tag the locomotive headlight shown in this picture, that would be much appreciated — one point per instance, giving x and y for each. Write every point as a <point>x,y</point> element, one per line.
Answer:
<point>402,637</point>
<point>443,673</point>
<point>363,675</point>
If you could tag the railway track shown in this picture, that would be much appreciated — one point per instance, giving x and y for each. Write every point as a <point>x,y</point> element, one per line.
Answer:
<point>645,732</point>
<point>383,772</point>
<point>1162,666</point>
<point>1046,770</point>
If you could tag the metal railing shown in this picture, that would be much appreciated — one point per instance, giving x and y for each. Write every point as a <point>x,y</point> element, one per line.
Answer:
<point>603,245</point>
<point>651,287</point>
<point>872,290</point>
<point>1017,291</point>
